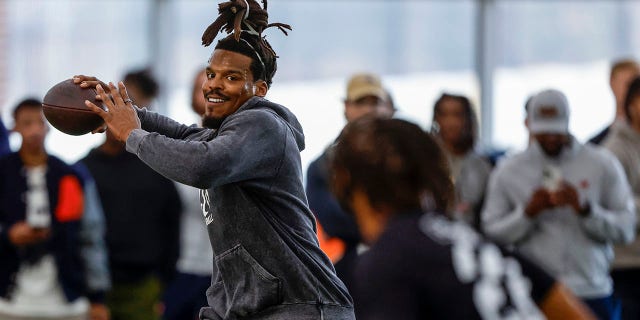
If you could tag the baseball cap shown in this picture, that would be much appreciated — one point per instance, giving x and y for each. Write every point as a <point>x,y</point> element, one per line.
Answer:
<point>549,113</point>
<point>365,84</point>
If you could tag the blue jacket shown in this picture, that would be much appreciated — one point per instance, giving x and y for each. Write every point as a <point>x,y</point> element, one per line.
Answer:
<point>325,206</point>
<point>65,197</point>
<point>261,229</point>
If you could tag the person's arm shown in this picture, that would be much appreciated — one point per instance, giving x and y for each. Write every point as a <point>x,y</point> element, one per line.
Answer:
<point>552,297</point>
<point>471,187</point>
<point>629,163</point>
<point>502,220</point>
<point>561,304</point>
<point>93,249</point>
<point>474,177</point>
<point>154,122</point>
<point>612,219</point>
<point>249,145</point>
<point>94,253</point>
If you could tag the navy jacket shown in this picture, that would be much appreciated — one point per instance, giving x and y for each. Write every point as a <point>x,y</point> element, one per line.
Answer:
<point>66,203</point>
<point>325,206</point>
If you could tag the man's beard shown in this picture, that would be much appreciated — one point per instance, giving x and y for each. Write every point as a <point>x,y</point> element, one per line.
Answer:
<point>211,123</point>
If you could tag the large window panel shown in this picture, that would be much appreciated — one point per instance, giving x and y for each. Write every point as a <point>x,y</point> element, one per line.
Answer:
<point>567,45</point>
<point>420,48</point>
<point>49,41</point>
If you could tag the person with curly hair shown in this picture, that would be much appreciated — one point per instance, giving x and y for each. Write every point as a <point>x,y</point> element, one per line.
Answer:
<point>394,178</point>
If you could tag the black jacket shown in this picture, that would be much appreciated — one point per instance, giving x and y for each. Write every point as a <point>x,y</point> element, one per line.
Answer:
<point>142,212</point>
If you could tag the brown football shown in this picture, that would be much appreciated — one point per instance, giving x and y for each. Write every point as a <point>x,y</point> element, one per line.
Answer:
<point>64,107</point>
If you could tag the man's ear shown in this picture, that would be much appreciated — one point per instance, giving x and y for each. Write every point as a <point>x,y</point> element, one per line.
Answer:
<point>260,88</point>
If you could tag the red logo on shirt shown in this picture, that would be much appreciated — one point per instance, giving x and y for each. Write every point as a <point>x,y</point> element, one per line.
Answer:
<point>584,184</point>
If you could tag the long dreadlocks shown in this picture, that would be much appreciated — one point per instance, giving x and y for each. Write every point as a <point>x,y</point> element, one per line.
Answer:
<point>244,21</point>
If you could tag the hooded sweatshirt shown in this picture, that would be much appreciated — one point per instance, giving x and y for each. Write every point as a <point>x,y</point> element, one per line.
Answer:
<point>575,249</point>
<point>260,227</point>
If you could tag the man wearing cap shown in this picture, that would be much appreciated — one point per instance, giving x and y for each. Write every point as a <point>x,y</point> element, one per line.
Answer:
<point>365,96</point>
<point>562,204</point>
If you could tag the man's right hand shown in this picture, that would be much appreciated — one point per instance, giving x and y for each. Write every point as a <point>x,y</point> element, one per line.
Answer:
<point>22,234</point>
<point>89,82</point>
<point>540,201</point>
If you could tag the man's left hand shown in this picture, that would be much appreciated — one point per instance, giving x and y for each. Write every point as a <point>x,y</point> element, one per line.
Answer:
<point>120,117</point>
<point>567,195</point>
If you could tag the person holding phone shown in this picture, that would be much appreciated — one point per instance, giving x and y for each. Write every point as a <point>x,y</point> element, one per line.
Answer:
<point>563,205</point>
<point>42,274</point>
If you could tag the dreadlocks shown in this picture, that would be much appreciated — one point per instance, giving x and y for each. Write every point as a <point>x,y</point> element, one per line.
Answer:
<point>244,21</point>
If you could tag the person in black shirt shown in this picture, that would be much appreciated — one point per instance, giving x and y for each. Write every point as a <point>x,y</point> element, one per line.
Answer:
<point>394,178</point>
<point>365,96</point>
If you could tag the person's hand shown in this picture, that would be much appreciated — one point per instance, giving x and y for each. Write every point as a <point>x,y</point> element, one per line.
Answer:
<point>89,82</point>
<point>567,195</point>
<point>99,311</point>
<point>22,234</point>
<point>540,201</point>
<point>120,117</point>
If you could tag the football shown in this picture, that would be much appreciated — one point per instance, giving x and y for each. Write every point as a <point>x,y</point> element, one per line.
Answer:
<point>64,108</point>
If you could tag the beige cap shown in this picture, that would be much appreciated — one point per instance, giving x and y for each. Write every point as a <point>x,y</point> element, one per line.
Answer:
<point>365,84</point>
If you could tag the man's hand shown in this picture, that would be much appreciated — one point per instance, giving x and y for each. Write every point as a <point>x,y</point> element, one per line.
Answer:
<point>91,82</point>
<point>540,201</point>
<point>22,234</point>
<point>120,117</point>
<point>567,195</point>
<point>99,311</point>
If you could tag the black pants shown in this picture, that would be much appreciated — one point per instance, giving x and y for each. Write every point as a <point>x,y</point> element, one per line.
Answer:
<point>626,284</point>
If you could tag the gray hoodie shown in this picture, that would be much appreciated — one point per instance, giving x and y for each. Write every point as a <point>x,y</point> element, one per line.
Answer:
<point>260,227</point>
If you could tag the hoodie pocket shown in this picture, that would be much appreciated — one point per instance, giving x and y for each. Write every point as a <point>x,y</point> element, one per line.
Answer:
<point>248,286</point>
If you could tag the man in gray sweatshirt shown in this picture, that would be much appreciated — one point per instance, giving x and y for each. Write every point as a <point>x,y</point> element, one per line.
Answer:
<point>248,168</point>
<point>562,204</point>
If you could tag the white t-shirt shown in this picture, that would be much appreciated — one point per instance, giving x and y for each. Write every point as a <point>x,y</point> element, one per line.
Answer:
<point>38,293</point>
<point>37,198</point>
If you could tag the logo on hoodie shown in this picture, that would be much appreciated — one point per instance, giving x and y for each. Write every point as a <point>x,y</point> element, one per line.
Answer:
<point>205,204</point>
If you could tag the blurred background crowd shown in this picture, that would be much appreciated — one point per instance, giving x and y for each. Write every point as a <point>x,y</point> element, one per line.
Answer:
<point>467,71</point>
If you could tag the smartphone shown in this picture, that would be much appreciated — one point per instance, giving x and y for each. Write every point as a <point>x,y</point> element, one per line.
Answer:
<point>38,215</point>
<point>551,178</point>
